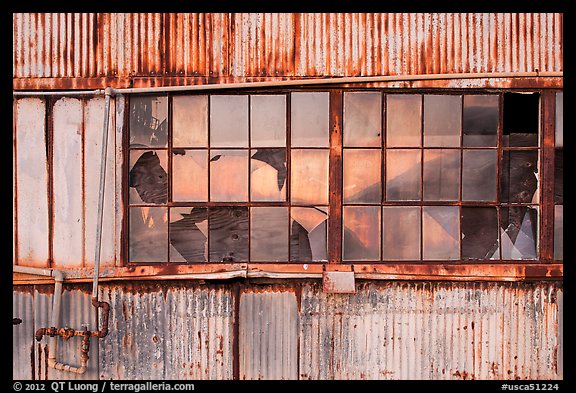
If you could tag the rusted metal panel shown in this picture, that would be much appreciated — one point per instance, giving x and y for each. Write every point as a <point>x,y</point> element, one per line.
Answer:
<point>338,282</point>
<point>23,345</point>
<point>117,130</point>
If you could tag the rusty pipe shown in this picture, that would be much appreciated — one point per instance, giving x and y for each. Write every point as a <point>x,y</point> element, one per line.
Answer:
<point>102,332</point>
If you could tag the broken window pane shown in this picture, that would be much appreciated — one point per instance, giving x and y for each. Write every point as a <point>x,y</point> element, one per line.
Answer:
<point>361,237</point>
<point>362,118</point>
<point>268,120</point>
<point>189,234</point>
<point>148,121</point>
<point>403,120</point>
<point>190,121</point>
<point>559,176</point>
<point>558,232</point>
<point>189,175</point>
<point>480,120</point>
<point>148,179</point>
<point>521,119</point>
<point>403,174</point>
<point>309,177</point>
<point>362,176</point>
<point>442,120</point>
<point>480,233</point>
<point>229,121</point>
<point>479,175</point>
<point>308,231</point>
<point>148,234</point>
<point>519,176</point>
<point>441,174</point>
<point>441,232</point>
<point>518,232</point>
<point>309,119</point>
<point>559,139</point>
<point>269,234</point>
<point>268,175</point>
<point>229,175</point>
<point>401,233</point>
<point>228,234</point>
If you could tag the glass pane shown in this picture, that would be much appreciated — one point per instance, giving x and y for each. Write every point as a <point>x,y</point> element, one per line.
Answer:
<point>559,140</point>
<point>189,175</point>
<point>403,174</point>
<point>268,175</point>
<point>269,234</point>
<point>480,233</point>
<point>310,119</point>
<point>229,175</point>
<point>558,232</point>
<point>148,234</point>
<point>559,176</point>
<point>479,175</point>
<point>442,120</point>
<point>148,179</point>
<point>480,120</point>
<point>519,176</point>
<point>361,238</point>
<point>228,234</point>
<point>362,118</point>
<point>309,177</point>
<point>189,234</point>
<point>148,121</point>
<point>403,120</point>
<point>190,121</point>
<point>518,232</point>
<point>401,233</point>
<point>268,120</point>
<point>229,121</point>
<point>441,175</point>
<point>308,231</point>
<point>441,232</point>
<point>362,176</point>
<point>521,121</point>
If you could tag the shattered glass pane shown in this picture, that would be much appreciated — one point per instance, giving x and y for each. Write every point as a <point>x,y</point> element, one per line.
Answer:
<point>190,121</point>
<point>519,176</point>
<point>558,232</point>
<point>479,176</point>
<point>148,179</point>
<point>480,120</point>
<point>148,234</point>
<point>442,120</point>
<point>521,119</point>
<point>518,232</point>
<point>559,139</point>
<point>403,120</point>
<point>148,121</point>
<point>403,174</point>
<point>269,234</point>
<point>362,118</point>
<point>229,175</point>
<point>441,174</point>
<point>309,177</point>
<point>441,232</point>
<point>361,238</point>
<point>308,231</point>
<point>310,119</point>
<point>268,175</point>
<point>559,175</point>
<point>189,234</point>
<point>189,175</point>
<point>229,121</point>
<point>480,233</point>
<point>268,120</point>
<point>228,234</point>
<point>362,176</point>
<point>401,233</point>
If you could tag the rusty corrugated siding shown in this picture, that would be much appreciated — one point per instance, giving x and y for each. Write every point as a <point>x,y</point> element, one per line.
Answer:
<point>23,343</point>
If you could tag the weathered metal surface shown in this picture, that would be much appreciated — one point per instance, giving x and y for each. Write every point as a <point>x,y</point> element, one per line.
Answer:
<point>23,345</point>
<point>338,282</point>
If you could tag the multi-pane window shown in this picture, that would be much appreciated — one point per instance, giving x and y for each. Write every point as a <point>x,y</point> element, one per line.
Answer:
<point>558,183</point>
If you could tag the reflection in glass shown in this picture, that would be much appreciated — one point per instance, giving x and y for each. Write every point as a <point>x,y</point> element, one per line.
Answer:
<point>518,232</point>
<point>148,231</point>
<point>148,121</point>
<point>189,175</point>
<point>362,118</point>
<point>559,175</point>
<point>268,175</point>
<point>190,121</point>
<point>479,175</point>
<point>559,139</point>
<point>441,174</point>
<point>519,176</point>
<point>268,120</point>
<point>229,121</point>
<point>403,174</point>
<point>269,234</point>
<point>228,234</point>
<point>308,234</point>
<point>189,234</point>
<point>309,177</point>
<point>480,233</point>
<point>148,180</point>
<point>441,232</point>
<point>361,237</point>
<point>362,176</point>
<point>309,119</point>
<point>558,232</point>
<point>480,120</point>
<point>403,120</point>
<point>442,120</point>
<point>401,233</point>
<point>229,175</point>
